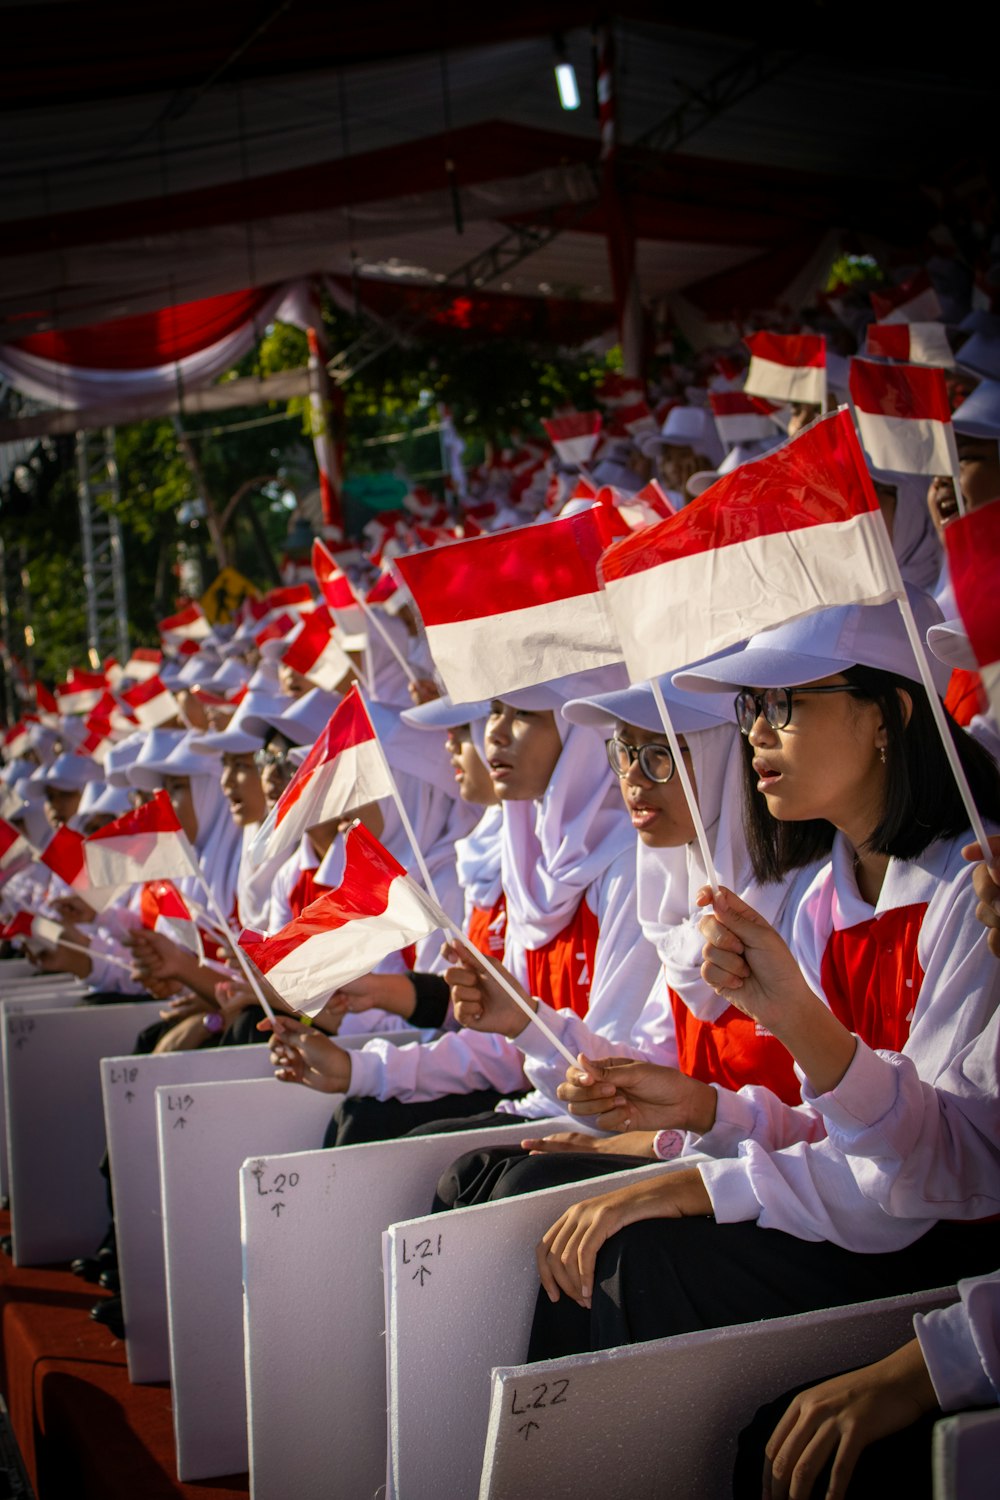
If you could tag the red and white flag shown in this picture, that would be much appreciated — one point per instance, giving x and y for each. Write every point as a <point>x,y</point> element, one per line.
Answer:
<point>15,849</point>
<point>635,418</point>
<point>913,343</point>
<point>152,703</point>
<point>913,301</point>
<point>516,608</point>
<point>574,437</point>
<point>313,652</point>
<point>45,701</point>
<point>742,418</point>
<point>162,908</point>
<point>904,417</point>
<point>145,662</point>
<point>792,532</point>
<point>344,769</point>
<point>972,545</point>
<point>15,740</point>
<point>787,367</point>
<point>376,910</point>
<point>147,843</point>
<point>188,625</point>
<point>81,692</point>
<point>98,739</point>
<point>620,390</point>
<point>37,933</point>
<point>338,591</point>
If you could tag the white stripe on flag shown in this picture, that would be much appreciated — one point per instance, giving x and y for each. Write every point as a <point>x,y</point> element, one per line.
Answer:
<point>134,858</point>
<point>720,596</point>
<point>357,775</point>
<point>991,682</point>
<point>495,654</point>
<point>766,377</point>
<point>909,445</point>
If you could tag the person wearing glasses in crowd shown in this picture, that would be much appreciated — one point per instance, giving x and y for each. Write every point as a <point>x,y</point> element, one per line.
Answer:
<point>842,757</point>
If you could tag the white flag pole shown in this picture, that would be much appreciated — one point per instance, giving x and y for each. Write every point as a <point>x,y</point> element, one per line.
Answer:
<point>937,708</point>
<point>407,825</point>
<point>373,619</point>
<point>682,772</point>
<point>108,958</point>
<point>220,917</point>
<point>501,979</point>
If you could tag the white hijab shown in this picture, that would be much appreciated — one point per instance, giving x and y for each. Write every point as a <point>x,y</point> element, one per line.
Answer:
<point>669,879</point>
<point>554,849</point>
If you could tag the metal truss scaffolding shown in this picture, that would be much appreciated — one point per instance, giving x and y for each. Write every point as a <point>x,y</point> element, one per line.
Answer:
<point>103,555</point>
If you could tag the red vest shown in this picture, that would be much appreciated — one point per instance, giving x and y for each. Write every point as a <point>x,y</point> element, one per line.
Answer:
<point>561,970</point>
<point>734,1051</point>
<point>871,975</point>
<point>487,927</point>
<point>965,696</point>
<point>304,891</point>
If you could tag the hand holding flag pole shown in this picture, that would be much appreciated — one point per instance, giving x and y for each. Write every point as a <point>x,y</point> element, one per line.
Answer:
<point>241,958</point>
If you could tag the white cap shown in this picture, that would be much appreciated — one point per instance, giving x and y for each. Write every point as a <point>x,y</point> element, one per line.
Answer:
<point>979,414</point>
<point>822,644</point>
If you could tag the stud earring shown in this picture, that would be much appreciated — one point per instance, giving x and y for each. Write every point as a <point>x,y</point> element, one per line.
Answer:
<point>881,753</point>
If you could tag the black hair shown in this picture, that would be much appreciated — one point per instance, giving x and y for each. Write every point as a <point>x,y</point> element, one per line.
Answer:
<point>922,800</point>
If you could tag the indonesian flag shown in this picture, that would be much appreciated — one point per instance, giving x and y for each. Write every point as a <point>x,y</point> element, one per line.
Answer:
<point>15,849</point>
<point>741,418</point>
<point>635,418</point>
<point>144,663</point>
<point>787,367</point>
<point>337,590</point>
<point>344,769</point>
<point>289,596</point>
<point>913,343</point>
<point>386,590</point>
<point>276,628</point>
<point>620,390</point>
<point>98,739</point>
<point>44,700</point>
<point>35,932</point>
<point>795,531</point>
<point>376,910</point>
<point>904,417</point>
<point>15,740</point>
<point>646,507</point>
<point>81,692</point>
<point>144,844</point>
<point>516,608</point>
<point>162,908</point>
<point>151,702</point>
<point>574,437</point>
<point>972,545</point>
<point>187,626</point>
<point>313,652</point>
<point>911,302</point>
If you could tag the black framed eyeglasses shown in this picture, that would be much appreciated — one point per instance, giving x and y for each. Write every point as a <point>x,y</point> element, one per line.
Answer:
<point>776,704</point>
<point>655,761</point>
<point>264,758</point>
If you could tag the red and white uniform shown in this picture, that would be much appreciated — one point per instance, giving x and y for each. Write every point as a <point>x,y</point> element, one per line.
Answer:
<point>898,1144</point>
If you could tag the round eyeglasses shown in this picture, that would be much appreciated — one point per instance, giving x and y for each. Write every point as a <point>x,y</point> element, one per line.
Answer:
<point>655,761</point>
<point>776,704</point>
<point>264,758</point>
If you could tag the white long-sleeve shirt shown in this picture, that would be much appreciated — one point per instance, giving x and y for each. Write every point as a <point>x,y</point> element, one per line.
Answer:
<point>961,1345</point>
<point>625,968</point>
<point>875,1162</point>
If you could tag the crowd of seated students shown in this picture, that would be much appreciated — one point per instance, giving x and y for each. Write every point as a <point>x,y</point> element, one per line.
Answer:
<point>812,1020</point>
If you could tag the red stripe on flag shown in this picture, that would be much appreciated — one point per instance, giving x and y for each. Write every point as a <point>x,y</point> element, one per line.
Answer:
<point>143,692</point>
<point>511,570</point>
<point>914,391</point>
<point>886,302</point>
<point>369,871</point>
<point>797,350</point>
<point>310,643</point>
<point>819,478</point>
<point>155,816</point>
<point>334,584</point>
<point>738,403</point>
<point>889,340</point>
<point>63,854</point>
<point>972,543</point>
<point>8,836</point>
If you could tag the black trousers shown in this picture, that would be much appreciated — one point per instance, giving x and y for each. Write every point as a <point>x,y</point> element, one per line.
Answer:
<point>482,1176</point>
<point>898,1464</point>
<point>361,1120</point>
<point>665,1276</point>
